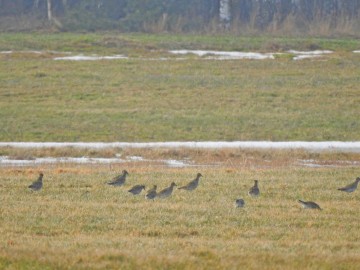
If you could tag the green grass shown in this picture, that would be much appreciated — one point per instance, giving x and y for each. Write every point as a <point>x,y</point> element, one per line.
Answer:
<point>150,100</point>
<point>78,222</point>
<point>113,42</point>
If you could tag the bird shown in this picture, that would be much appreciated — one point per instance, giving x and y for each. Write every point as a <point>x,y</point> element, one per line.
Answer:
<point>239,203</point>
<point>166,192</point>
<point>192,184</point>
<point>351,187</point>
<point>254,191</point>
<point>135,190</point>
<point>151,194</point>
<point>37,185</point>
<point>119,180</point>
<point>309,205</point>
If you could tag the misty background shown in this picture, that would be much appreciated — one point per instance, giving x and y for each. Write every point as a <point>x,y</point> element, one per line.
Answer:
<point>283,17</point>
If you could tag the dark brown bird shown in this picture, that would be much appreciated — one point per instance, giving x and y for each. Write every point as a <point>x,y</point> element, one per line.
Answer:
<point>351,187</point>
<point>166,192</point>
<point>239,203</point>
<point>135,190</point>
<point>192,184</point>
<point>254,191</point>
<point>309,205</point>
<point>151,194</point>
<point>38,184</point>
<point>119,180</point>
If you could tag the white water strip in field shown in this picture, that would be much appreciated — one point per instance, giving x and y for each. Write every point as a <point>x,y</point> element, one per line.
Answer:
<point>314,146</point>
<point>223,55</point>
<point>6,161</point>
<point>90,58</point>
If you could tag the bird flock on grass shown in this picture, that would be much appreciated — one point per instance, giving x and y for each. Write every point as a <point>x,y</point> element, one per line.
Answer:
<point>152,193</point>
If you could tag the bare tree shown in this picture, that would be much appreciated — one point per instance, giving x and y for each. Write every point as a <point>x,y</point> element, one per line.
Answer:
<point>225,14</point>
<point>49,13</point>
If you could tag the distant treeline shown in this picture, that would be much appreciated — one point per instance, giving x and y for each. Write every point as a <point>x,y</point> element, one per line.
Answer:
<point>296,17</point>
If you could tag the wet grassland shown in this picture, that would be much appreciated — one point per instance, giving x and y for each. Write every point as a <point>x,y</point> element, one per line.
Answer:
<point>153,95</point>
<point>77,221</point>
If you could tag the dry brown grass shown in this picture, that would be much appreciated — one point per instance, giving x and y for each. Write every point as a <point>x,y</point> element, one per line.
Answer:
<point>78,222</point>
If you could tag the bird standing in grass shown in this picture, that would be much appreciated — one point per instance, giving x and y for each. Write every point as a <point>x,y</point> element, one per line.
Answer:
<point>37,185</point>
<point>239,203</point>
<point>254,191</point>
<point>119,180</point>
<point>309,205</point>
<point>166,192</point>
<point>151,194</point>
<point>135,190</point>
<point>193,184</point>
<point>351,187</point>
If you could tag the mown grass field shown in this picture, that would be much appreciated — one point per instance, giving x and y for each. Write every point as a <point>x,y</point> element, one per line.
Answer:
<point>78,222</point>
<point>146,98</point>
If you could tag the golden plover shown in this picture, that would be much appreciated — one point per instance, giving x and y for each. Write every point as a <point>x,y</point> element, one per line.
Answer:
<point>193,184</point>
<point>309,205</point>
<point>254,191</point>
<point>351,187</point>
<point>239,203</point>
<point>151,194</point>
<point>135,190</point>
<point>166,192</point>
<point>37,185</point>
<point>119,180</point>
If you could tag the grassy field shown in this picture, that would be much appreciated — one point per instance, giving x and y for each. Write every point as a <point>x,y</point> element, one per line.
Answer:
<point>79,222</point>
<point>144,98</point>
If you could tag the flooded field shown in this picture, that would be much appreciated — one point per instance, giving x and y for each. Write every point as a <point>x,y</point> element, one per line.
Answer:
<point>202,54</point>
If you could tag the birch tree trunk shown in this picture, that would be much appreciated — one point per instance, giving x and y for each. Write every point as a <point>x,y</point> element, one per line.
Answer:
<point>49,14</point>
<point>36,3</point>
<point>225,14</point>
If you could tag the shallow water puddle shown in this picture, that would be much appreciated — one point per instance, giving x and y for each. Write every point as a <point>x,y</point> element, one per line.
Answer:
<point>90,58</point>
<point>300,55</point>
<point>172,163</point>
<point>225,55</point>
<point>5,161</point>
<point>203,54</point>
<point>327,164</point>
<point>234,55</point>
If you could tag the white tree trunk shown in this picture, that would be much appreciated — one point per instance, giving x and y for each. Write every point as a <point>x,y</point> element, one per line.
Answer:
<point>36,3</point>
<point>49,14</point>
<point>224,13</point>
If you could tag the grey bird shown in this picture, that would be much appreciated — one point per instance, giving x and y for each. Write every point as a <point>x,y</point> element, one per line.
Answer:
<point>151,194</point>
<point>37,185</point>
<point>309,205</point>
<point>239,203</point>
<point>192,184</point>
<point>351,187</point>
<point>135,190</point>
<point>166,192</point>
<point>254,191</point>
<point>119,180</point>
